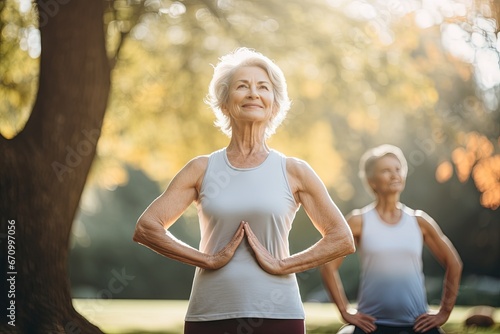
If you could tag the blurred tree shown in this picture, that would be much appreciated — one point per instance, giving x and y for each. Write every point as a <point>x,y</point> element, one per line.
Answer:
<point>45,165</point>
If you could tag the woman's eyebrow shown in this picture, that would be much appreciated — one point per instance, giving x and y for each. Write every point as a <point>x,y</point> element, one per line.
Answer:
<point>247,81</point>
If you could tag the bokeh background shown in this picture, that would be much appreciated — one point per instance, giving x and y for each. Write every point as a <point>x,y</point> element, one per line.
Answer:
<point>423,75</point>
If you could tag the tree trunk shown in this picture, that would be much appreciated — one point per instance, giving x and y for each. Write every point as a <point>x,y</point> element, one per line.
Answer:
<point>43,170</point>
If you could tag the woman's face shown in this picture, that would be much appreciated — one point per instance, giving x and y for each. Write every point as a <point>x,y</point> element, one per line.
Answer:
<point>387,176</point>
<point>251,96</point>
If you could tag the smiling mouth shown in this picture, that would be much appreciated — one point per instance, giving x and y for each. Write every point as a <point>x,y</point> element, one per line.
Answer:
<point>251,106</point>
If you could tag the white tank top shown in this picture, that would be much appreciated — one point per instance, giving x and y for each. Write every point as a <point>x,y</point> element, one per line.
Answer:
<point>261,196</point>
<point>392,282</point>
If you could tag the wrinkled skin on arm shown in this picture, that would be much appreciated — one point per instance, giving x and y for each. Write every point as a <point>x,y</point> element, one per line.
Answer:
<point>335,288</point>
<point>336,241</point>
<point>152,227</point>
<point>444,251</point>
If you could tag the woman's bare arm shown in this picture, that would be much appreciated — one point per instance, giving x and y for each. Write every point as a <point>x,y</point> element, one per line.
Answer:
<point>444,251</point>
<point>333,283</point>
<point>337,240</point>
<point>152,227</point>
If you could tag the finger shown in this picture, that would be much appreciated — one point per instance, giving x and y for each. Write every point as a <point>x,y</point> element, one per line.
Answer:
<point>241,228</point>
<point>372,326</point>
<point>239,233</point>
<point>365,322</point>
<point>421,317</point>
<point>420,322</point>
<point>247,228</point>
<point>424,326</point>
<point>422,329</point>
<point>369,318</point>
<point>236,239</point>
<point>252,239</point>
<point>419,325</point>
<point>368,328</point>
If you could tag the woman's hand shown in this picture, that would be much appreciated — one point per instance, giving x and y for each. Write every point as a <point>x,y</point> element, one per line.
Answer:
<point>361,320</point>
<point>426,321</point>
<point>265,259</point>
<point>222,257</point>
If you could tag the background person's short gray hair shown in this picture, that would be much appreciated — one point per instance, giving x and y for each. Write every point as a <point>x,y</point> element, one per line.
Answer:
<point>370,158</point>
<point>218,90</point>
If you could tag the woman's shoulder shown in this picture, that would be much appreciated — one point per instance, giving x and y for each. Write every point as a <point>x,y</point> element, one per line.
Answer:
<point>296,165</point>
<point>419,215</point>
<point>195,170</point>
<point>355,221</point>
<point>201,161</point>
<point>407,210</point>
<point>197,165</point>
<point>424,220</point>
<point>358,213</point>
<point>355,218</point>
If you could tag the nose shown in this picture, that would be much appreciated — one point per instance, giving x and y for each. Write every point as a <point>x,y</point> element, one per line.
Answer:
<point>252,92</point>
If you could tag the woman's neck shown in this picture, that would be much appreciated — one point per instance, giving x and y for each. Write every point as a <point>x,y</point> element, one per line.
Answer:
<point>389,209</point>
<point>388,204</point>
<point>247,151</point>
<point>242,148</point>
<point>247,140</point>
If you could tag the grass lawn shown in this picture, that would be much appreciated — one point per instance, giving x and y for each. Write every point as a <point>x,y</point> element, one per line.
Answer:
<point>117,316</point>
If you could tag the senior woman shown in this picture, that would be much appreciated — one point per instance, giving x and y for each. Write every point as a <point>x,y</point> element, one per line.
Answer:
<point>390,238</point>
<point>247,195</point>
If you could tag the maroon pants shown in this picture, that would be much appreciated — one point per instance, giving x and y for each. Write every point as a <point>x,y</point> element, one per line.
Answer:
<point>397,330</point>
<point>246,326</point>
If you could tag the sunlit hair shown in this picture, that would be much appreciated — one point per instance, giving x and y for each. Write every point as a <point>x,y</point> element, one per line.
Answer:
<point>369,159</point>
<point>218,90</point>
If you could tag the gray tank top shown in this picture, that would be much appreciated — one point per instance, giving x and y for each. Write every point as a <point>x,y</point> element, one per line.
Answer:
<point>260,195</point>
<point>392,282</point>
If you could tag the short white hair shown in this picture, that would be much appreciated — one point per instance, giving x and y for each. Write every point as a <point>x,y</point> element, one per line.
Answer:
<point>370,158</point>
<point>218,90</point>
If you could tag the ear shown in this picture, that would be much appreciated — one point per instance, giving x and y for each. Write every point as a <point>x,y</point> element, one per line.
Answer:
<point>223,108</point>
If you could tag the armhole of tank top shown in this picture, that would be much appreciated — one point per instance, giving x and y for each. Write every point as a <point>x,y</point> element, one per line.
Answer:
<point>360,238</point>
<point>285,175</point>
<point>209,162</point>
<point>412,215</point>
<point>363,212</point>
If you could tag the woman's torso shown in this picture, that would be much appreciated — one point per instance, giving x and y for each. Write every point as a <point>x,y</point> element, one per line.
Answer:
<point>392,282</point>
<point>261,196</point>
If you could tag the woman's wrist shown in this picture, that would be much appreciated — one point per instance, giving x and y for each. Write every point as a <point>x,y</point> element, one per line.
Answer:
<point>345,311</point>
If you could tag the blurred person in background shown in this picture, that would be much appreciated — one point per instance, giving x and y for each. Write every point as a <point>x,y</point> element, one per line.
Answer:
<point>389,238</point>
<point>247,195</point>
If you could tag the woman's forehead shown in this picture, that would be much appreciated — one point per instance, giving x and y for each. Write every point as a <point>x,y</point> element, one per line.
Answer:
<point>249,72</point>
<point>388,159</point>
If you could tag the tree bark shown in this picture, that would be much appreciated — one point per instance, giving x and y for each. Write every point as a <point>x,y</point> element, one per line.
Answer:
<point>43,170</point>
